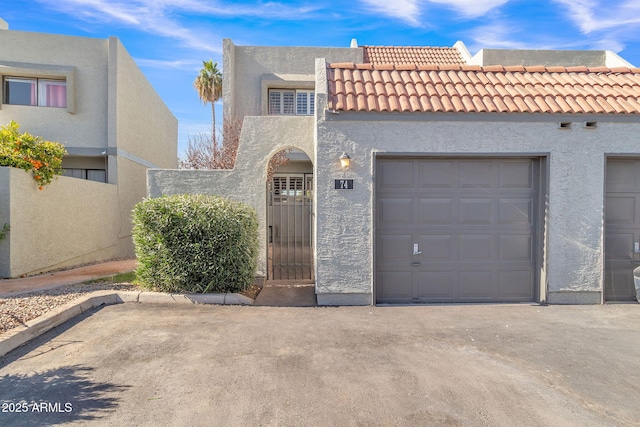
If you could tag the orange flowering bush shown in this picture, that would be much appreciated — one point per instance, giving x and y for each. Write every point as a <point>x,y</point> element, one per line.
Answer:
<point>31,153</point>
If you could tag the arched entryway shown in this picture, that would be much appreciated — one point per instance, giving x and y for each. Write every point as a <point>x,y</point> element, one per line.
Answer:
<point>290,220</point>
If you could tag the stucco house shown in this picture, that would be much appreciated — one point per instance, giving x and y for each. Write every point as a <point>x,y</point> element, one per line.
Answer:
<point>430,175</point>
<point>89,95</point>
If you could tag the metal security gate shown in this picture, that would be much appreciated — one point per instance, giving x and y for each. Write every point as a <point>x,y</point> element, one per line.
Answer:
<point>289,211</point>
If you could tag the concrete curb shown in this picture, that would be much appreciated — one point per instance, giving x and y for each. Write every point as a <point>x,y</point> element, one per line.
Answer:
<point>16,337</point>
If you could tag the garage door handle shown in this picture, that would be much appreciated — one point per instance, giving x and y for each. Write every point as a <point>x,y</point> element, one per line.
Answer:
<point>416,264</point>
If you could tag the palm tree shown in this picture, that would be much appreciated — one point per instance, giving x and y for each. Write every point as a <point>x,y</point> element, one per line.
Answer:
<point>209,87</point>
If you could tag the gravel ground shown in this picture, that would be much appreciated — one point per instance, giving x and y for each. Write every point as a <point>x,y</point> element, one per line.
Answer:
<point>18,309</point>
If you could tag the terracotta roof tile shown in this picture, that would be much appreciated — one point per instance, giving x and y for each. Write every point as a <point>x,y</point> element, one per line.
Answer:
<point>494,89</point>
<point>412,56</point>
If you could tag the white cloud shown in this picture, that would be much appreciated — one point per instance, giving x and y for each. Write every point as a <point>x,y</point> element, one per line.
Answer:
<point>161,17</point>
<point>471,8</point>
<point>609,44</point>
<point>405,10</point>
<point>593,15</point>
<point>498,36</point>
<point>178,64</point>
<point>145,15</point>
<point>410,11</point>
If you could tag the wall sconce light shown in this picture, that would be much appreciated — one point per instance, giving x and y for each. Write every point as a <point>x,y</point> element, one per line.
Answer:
<point>345,160</point>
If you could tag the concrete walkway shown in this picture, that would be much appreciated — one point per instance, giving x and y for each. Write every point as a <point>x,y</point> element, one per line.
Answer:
<point>287,293</point>
<point>9,287</point>
<point>275,293</point>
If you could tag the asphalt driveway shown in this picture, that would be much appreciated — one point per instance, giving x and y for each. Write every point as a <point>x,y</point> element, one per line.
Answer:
<point>475,365</point>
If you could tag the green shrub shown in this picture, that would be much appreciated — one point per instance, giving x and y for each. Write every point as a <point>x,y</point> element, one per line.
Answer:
<point>4,230</point>
<point>195,244</point>
<point>31,153</point>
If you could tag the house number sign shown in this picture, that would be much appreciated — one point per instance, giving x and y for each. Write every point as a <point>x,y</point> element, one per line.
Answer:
<point>344,184</point>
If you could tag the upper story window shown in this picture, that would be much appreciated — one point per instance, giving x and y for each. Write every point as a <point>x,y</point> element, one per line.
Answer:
<point>291,102</point>
<point>32,91</point>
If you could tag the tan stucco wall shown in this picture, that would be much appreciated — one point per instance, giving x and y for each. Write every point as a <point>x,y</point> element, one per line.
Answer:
<point>140,123</point>
<point>69,222</point>
<point>117,118</point>
<point>245,67</point>
<point>134,177</point>
<point>88,126</point>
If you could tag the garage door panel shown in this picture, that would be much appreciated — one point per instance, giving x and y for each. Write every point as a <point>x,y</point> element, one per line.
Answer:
<point>513,211</point>
<point>622,176</point>
<point>515,247</point>
<point>621,210</point>
<point>515,174</point>
<point>473,221</point>
<point>436,247</point>
<point>476,285</point>
<point>395,174</point>
<point>436,174</point>
<point>618,285</point>
<point>475,248</point>
<point>396,284</point>
<point>435,285</point>
<point>436,211</point>
<point>396,210</point>
<point>619,246</point>
<point>622,228</point>
<point>474,211</point>
<point>515,285</point>
<point>476,174</point>
<point>394,247</point>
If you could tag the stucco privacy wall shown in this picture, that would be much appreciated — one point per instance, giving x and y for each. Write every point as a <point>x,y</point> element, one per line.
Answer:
<point>345,222</point>
<point>141,124</point>
<point>31,53</point>
<point>69,222</point>
<point>245,67</point>
<point>260,139</point>
<point>142,133</point>
<point>568,58</point>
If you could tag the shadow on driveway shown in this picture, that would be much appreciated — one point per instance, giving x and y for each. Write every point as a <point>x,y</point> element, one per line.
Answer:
<point>34,398</point>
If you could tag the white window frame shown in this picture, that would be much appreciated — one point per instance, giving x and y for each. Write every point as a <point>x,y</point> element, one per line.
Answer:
<point>43,71</point>
<point>41,89</point>
<point>278,102</point>
<point>308,100</point>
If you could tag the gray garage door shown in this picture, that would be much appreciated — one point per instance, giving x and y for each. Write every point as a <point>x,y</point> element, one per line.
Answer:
<point>456,230</point>
<point>622,228</point>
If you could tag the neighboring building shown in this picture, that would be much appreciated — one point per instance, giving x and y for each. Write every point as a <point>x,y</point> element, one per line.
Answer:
<point>466,183</point>
<point>89,95</point>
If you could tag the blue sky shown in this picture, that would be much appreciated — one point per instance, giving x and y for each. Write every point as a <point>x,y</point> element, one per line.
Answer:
<point>170,38</point>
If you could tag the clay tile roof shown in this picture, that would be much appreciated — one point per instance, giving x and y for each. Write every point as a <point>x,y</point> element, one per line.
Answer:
<point>418,55</point>
<point>493,89</point>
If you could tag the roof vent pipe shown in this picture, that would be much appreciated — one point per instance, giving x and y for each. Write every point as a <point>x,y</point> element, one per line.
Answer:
<point>354,43</point>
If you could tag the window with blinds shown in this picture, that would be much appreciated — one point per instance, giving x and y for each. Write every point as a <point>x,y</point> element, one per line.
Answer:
<point>291,102</point>
<point>304,102</point>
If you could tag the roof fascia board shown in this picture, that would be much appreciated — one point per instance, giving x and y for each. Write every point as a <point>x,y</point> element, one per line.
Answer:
<point>335,116</point>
